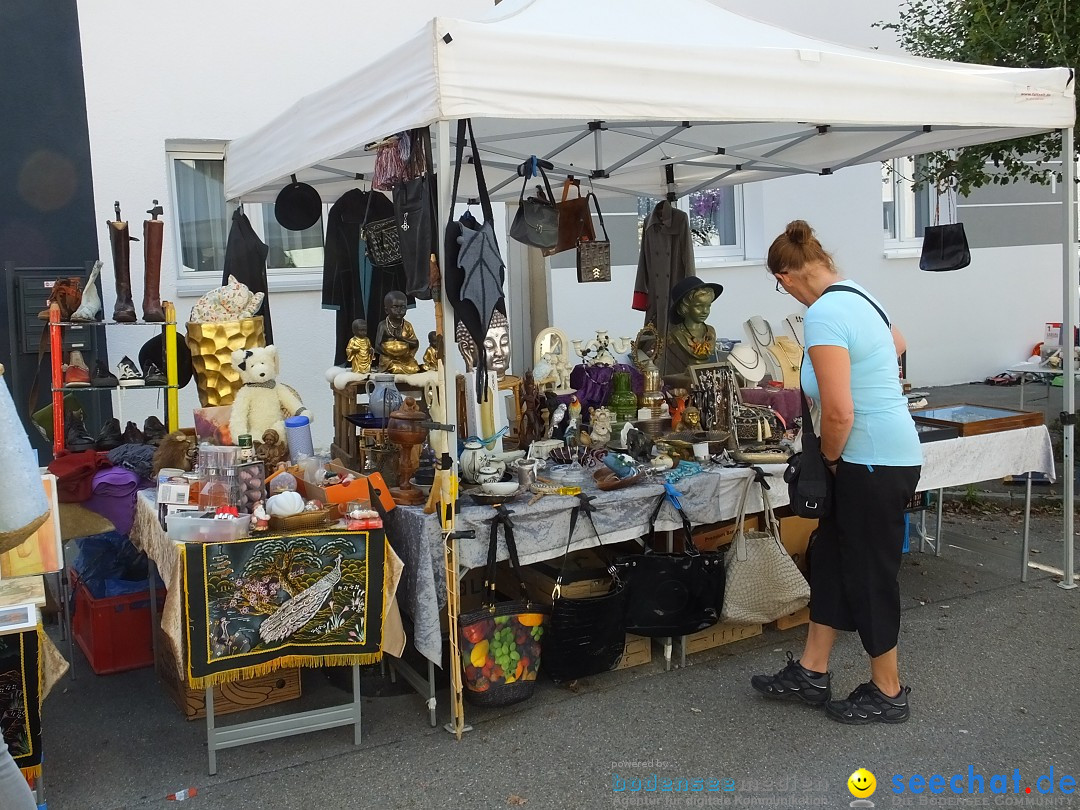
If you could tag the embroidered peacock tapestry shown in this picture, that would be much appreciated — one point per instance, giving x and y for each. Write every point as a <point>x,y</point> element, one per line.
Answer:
<point>260,604</point>
<point>20,709</point>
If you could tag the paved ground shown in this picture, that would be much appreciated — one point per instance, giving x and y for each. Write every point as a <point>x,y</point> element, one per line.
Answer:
<point>991,662</point>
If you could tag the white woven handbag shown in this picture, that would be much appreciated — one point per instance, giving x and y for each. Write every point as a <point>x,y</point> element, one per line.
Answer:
<point>763,583</point>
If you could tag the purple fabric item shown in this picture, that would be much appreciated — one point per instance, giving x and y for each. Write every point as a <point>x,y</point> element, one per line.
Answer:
<point>785,401</point>
<point>114,494</point>
<point>594,384</point>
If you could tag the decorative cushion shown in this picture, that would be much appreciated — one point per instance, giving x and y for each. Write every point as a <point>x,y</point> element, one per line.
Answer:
<point>233,302</point>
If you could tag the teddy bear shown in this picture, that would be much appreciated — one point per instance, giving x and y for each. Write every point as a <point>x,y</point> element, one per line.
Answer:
<point>262,402</point>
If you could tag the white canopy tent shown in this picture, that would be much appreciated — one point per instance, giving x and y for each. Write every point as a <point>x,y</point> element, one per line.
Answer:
<point>648,99</point>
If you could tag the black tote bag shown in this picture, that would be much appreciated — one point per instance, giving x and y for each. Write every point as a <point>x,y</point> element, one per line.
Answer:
<point>672,594</point>
<point>585,636</point>
<point>414,212</point>
<point>944,247</point>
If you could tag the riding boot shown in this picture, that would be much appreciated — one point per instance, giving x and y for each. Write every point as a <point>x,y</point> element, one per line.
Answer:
<point>153,230</point>
<point>119,239</point>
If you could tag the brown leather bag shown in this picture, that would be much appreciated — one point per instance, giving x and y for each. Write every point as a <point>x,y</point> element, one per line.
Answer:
<point>575,222</point>
<point>67,295</point>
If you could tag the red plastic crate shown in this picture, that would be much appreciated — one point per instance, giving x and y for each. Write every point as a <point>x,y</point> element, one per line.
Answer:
<point>114,633</point>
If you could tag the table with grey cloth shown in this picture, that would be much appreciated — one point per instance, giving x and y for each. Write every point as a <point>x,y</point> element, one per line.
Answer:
<point>540,531</point>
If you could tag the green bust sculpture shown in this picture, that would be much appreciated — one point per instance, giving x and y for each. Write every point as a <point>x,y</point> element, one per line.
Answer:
<point>690,340</point>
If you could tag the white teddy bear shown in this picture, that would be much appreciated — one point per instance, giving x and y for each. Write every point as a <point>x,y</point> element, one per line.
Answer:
<point>262,402</point>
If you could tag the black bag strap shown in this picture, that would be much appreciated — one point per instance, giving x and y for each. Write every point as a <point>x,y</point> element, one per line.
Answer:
<point>531,163</point>
<point>584,505</point>
<point>502,518</point>
<point>689,546</point>
<point>599,213</point>
<point>861,294</point>
<point>465,124</point>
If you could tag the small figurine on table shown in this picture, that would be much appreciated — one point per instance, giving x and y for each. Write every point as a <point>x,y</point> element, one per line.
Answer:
<point>358,350</point>
<point>396,338</point>
<point>600,421</point>
<point>260,520</point>
<point>531,424</point>
<point>432,355</point>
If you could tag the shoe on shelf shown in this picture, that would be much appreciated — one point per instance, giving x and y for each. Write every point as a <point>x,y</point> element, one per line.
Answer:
<point>76,373</point>
<point>154,431</point>
<point>102,377</point>
<point>76,439</point>
<point>109,437</point>
<point>90,308</point>
<point>153,375</point>
<point>868,704</point>
<point>130,377</point>
<point>132,434</point>
<point>794,683</point>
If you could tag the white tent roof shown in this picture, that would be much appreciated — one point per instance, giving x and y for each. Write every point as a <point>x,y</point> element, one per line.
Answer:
<point>617,89</point>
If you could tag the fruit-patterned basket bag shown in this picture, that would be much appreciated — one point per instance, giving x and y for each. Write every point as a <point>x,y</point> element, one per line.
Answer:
<point>501,641</point>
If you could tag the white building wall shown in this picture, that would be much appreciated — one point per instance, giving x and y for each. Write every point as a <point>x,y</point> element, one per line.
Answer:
<point>218,70</point>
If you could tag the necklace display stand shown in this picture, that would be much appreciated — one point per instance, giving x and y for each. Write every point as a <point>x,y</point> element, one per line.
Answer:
<point>761,338</point>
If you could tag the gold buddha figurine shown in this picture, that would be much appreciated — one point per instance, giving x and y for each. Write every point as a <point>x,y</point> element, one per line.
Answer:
<point>358,350</point>
<point>396,337</point>
<point>432,355</point>
<point>690,341</point>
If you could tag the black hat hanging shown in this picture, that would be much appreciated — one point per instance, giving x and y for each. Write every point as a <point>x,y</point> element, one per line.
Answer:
<point>298,206</point>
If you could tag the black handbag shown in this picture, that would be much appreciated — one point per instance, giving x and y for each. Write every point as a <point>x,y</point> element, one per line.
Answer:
<point>585,636</point>
<point>501,642</point>
<point>414,211</point>
<point>810,484</point>
<point>536,222</point>
<point>381,238</point>
<point>594,255</point>
<point>672,594</point>
<point>944,247</point>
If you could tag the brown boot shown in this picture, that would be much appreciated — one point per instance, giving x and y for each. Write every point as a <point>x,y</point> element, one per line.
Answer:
<point>153,230</point>
<point>119,238</point>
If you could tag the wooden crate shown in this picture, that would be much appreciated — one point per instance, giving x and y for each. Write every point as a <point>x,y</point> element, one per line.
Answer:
<point>719,634</point>
<point>795,535</point>
<point>796,619</point>
<point>238,696</point>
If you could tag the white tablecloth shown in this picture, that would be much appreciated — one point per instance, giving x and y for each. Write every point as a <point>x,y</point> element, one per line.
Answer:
<point>968,459</point>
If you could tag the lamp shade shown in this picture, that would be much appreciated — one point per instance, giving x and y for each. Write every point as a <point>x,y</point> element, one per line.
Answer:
<point>23,507</point>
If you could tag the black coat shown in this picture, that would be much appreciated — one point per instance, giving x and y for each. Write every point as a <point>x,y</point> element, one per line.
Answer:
<point>245,259</point>
<point>343,256</point>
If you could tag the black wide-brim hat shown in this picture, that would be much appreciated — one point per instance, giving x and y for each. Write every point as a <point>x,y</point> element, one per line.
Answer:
<point>684,288</point>
<point>153,351</point>
<point>298,206</point>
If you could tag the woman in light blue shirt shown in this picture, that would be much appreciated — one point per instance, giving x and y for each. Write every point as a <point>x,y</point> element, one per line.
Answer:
<point>871,447</point>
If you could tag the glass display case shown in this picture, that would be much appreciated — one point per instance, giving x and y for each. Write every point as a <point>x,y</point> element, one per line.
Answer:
<point>972,420</point>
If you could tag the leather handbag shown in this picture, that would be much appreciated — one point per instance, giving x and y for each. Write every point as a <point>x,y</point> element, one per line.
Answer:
<point>501,642</point>
<point>672,594</point>
<point>945,247</point>
<point>536,222</point>
<point>810,484</point>
<point>594,256</point>
<point>763,582</point>
<point>414,211</point>
<point>585,636</point>
<point>381,238</point>
<point>575,220</point>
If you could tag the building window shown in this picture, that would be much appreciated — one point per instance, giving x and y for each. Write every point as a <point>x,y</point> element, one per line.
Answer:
<point>203,217</point>
<point>907,211</point>
<point>715,221</point>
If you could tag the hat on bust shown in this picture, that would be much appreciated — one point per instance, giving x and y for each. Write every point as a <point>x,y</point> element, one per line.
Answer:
<point>687,286</point>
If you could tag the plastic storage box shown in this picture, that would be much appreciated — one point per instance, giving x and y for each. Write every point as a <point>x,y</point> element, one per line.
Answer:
<point>114,633</point>
<point>195,527</point>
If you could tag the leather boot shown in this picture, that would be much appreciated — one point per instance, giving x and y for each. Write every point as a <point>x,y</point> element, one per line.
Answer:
<point>120,239</point>
<point>153,229</point>
<point>76,439</point>
<point>132,434</point>
<point>90,308</point>
<point>110,436</point>
<point>154,431</point>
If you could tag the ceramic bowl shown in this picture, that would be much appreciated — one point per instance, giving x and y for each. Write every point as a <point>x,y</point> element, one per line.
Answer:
<point>425,488</point>
<point>499,487</point>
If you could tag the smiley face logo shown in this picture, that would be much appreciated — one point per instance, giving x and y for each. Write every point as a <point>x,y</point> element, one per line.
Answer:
<point>862,784</point>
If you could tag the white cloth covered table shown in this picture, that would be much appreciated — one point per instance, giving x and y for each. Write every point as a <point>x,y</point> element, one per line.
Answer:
<point>968,459</point>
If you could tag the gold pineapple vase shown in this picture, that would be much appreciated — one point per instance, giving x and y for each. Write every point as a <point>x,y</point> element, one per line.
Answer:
<point>211,346</point>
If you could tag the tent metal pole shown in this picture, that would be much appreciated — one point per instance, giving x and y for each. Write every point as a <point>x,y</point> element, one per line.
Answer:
<point>1071,284</point>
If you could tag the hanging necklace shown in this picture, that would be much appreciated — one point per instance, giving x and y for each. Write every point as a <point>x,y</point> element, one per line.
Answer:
<point>768,333</point>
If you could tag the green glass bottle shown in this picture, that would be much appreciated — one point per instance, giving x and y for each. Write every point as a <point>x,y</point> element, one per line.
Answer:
<point>623,400</point>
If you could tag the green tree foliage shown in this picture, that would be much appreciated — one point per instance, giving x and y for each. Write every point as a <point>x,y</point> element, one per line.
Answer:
<point>1005,33</point>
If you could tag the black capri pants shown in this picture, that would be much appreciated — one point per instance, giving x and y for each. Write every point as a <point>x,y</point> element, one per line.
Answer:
<point>855,556</point>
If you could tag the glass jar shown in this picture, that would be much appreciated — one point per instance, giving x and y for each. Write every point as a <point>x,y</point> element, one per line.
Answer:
<point>623,400</point>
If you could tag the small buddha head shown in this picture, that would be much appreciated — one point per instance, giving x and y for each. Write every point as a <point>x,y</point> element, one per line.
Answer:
<point>497,344</point>
<point>359,328</point>
<point>395,304</point>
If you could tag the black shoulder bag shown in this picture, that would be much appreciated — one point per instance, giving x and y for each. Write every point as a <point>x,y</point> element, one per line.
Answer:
<point>585,636</point>
<point>672,594</point>
<point>810,484</point>
<point>536,222</point>
<point>414,212</point>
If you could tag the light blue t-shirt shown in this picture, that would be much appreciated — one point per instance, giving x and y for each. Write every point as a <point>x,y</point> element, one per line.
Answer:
<point>883,431</point>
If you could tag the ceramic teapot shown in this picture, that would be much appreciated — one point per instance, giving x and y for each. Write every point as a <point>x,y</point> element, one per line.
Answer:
<point>473,458</point>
